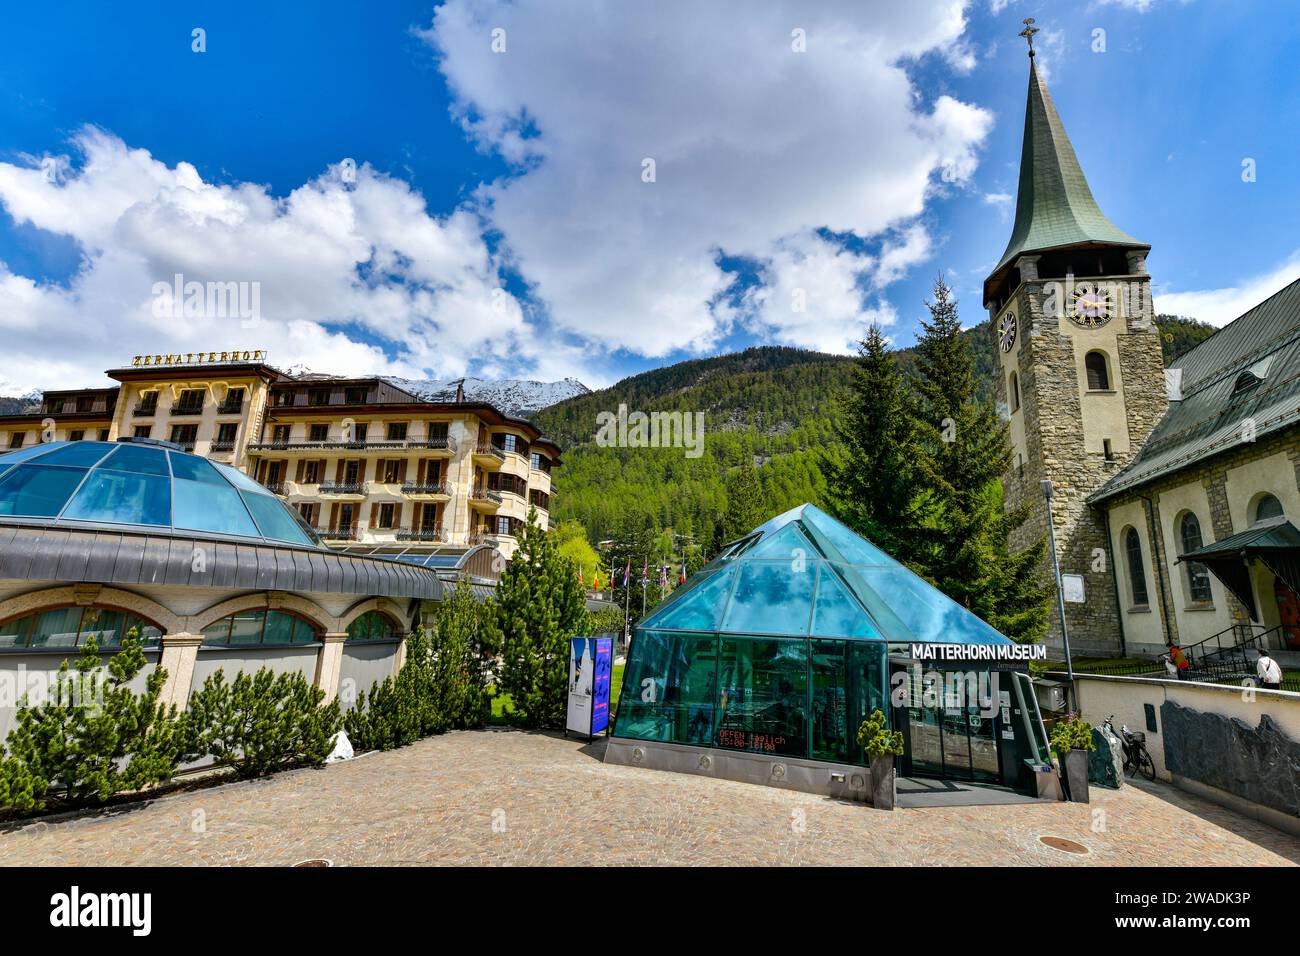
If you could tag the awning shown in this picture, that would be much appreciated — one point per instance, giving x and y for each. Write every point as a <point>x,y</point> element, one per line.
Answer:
<point>1274,542</point>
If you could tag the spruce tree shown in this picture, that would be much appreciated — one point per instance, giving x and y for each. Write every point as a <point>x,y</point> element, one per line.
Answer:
<point>964,454</point>
<point>539,607</point>
<point>746,506</point>
<point>871,478</point>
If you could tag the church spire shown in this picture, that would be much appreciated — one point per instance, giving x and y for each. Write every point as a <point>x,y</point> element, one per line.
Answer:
<point>1054,208</point>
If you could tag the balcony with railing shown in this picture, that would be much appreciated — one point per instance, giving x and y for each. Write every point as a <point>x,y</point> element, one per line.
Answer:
<point>489,455</point>
<point>231,407</point>
<point>435,535</point>
<point>280,488</point>
<point>145,411</point>
<point>329,445</point>
<point>222,446</point>
<point>187,408</point>
<point>349,532</point>
<point>486,499</point>
<point>427,489</point>
<point>344,489</point>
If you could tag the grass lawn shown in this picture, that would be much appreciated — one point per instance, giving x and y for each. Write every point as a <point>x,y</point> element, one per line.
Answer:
<point>501,708</point>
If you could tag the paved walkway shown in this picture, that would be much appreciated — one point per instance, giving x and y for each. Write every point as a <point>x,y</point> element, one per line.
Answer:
<point>505,797</point>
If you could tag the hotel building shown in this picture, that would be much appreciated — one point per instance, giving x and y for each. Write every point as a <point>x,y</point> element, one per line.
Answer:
<point>371,467</point>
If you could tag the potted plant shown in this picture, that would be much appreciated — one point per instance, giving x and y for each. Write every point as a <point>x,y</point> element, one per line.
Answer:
<point>1071,738</point>
<point>882,746</point>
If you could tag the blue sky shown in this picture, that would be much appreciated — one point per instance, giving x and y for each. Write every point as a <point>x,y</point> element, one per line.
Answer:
<point>848,173</point>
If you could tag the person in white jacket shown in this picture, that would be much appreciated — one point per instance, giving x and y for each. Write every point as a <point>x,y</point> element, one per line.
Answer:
<point>1270,672</point>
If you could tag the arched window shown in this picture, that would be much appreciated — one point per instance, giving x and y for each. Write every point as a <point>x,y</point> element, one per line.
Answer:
<point>1014,390</point>
<point>1098,372</point>
<point>1198,578</point>
<point>373,626</point>
<point>260,627</point>
<point>1137,576</point>
<point>1267,507</point>
<point>67,627</point>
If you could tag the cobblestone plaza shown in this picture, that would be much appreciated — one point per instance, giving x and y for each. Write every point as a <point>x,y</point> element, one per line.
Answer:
<point>512,798</point>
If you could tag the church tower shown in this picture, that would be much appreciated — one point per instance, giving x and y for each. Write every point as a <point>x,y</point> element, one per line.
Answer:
<point>1079,370</point>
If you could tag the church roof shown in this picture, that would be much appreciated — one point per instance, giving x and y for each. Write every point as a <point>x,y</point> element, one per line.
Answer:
<point>1248,371</point>
<point>1054,207</point>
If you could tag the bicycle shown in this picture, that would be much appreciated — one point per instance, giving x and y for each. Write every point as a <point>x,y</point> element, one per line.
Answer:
<point>1136,758</point>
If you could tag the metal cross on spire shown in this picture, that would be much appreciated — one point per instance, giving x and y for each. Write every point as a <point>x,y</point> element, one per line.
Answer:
<point>1028,33</point>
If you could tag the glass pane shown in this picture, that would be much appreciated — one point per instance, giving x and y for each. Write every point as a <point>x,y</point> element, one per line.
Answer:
<point>783,544</point>
<point>14,633</point>
<point>848,685</point>
<point>274,519</point>
<point>79,454</point>
<point>279,628</point>
<point>237,478</point>
<point>195,469</point>
<point>853,548</point>
<point>865,688</point>
<point>218,632</point>
<point>700,609</point>
<point>670,685</point>
<point>57,628</point>
<point>120,496</point>
<point>246,627</point>
<point>772,597</point>
<point>104,625</point>
<point>200,506</point>
<point>837,614</point>
<point>8,458</point>
<point>763,697</point>
<point>924,613</point>
<point>37,491</point>
<point>139,459</point>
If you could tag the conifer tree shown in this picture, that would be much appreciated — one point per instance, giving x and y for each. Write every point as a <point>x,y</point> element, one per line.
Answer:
<point>746,506</point>
<point>964,454</point>
<point>539,607</point>
<point>870,472</point>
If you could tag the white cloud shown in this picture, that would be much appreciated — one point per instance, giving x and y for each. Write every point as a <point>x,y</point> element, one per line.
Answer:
<point>1221,306</point>
<point>352,249</point>
<point>755,148</point>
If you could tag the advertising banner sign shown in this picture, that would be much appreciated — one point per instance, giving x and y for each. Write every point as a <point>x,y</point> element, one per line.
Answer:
<point>591,666</point>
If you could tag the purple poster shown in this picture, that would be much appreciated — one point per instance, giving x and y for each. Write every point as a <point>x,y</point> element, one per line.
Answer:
<point>604,672</point>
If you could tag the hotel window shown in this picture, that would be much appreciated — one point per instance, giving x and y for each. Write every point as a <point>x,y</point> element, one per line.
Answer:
<point>191,402</point>
<point>311,472</point>
<point>103,434</point>
<point>540,463</point>
<point>77,435</point>
<point>318,396</point>
<point>1098,374</point>
<point>1137,577</point>
<point>234,402</point>
<point>437,431</point>
<point>280,434</point>
<point>386,516</point>
<point>283,398</point>
<point>226,433</point>
<point>185,435</point>
<point>142,431</point>
<point>360,431</point>
<point>355,395</point>
<point>85,404</point>
<point>318,432</point>
<point>148,403</point>
<point>390,471</point>
<point>55,406</point>
<point>310,513</point>
<point>16,439</point>
<point>1198,577</point>
<point>397,431</point>
<point>1014,391</point>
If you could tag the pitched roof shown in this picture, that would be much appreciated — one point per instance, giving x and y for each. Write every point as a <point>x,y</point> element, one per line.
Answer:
<point>1054,207</point>
<point>1247,371</point>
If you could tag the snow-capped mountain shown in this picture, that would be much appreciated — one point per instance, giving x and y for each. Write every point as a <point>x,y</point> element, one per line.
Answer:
<point>22,404</point>
<point>514,396</point>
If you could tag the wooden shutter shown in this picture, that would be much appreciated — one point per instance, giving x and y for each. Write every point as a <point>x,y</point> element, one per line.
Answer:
<point>334,516</point>
<point>302,464</point>
<point>338,471</point>
<point>261,470</point>
<point>397,514</point>
<point>419,472</point>
<point>417,514</point>
<point>401,471</point>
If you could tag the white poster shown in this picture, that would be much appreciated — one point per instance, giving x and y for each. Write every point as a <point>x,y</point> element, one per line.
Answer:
<point>1072,585</point>
<point>582,672</point>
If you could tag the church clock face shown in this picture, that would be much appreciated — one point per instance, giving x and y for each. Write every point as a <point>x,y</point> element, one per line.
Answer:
<point>1091,307</point>
<point>1007,331</point>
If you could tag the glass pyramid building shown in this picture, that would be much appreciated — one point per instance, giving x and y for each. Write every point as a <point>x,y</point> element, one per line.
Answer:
<point>780,645</point>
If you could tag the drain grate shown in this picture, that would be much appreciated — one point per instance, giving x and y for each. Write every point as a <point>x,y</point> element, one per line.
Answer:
<point>1062,844</point>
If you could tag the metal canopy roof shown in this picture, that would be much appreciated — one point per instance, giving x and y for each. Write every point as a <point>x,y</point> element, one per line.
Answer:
<point>1275,542</point>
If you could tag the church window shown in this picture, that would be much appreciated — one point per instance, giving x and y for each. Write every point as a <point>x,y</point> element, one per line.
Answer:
<point>1098,374</point>
<point>1198,577</point>
<point>1137,578</point>
<point>1267,507</point>
<point>1014,389</point>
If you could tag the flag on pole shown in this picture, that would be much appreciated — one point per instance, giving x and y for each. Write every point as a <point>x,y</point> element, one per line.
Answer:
<point>627,572</point>
<point>580,581</point>
<point>645,573</point>
<point>683,580</point>
<point>663,576</point>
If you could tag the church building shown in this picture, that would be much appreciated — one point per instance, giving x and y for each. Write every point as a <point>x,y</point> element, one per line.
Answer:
<point>1171,488</point>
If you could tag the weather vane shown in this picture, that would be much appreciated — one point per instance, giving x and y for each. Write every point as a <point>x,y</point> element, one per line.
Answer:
<point>1028,33</point>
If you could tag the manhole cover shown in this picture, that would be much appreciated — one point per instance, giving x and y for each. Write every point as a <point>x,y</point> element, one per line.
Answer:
<point>314,863</point>
<point>1060,843</point>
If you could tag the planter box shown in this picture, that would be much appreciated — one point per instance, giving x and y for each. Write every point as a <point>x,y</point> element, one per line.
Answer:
<point>1074,770</point>
<point>882,782</point>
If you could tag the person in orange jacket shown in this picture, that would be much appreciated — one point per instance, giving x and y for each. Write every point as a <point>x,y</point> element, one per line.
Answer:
<point>1180,660</point>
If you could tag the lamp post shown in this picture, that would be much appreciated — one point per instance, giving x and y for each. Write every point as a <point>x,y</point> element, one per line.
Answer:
<point>1046,485</point>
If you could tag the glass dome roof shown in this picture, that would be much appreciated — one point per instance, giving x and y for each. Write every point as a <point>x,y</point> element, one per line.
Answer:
<point>135,485</point>
<point>805,574</point>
